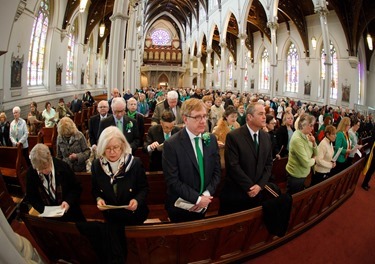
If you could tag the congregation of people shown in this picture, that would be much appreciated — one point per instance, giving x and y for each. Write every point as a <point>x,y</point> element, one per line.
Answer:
<point>202,140</point>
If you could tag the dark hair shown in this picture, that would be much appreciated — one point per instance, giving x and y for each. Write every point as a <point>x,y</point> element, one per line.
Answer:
<point>269,118</point>
<point>61,100</point>
<point>47,103</point>
<point>167,116</point>
<point>229,110</point>
<point>34,104</point>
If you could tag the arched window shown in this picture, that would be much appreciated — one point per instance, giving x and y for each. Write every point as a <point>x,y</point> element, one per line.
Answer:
<point>70,56</point>
<point>292,69</point>
<point>334,70</point>
<point>35,65</point>
<point>265,71</point>
<point>161,37</point>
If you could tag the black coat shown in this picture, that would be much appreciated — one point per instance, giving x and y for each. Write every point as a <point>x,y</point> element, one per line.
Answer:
<point>4,135</point>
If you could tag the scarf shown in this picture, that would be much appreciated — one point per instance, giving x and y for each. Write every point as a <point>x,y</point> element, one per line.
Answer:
<point>123,167</point>
<point>132,114</point>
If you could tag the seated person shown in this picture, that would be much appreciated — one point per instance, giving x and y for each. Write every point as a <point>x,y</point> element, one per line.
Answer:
<point>34,119</point>
<point>51,182</point>
<point>62,109</point>
<point>156,136</point>
<point>118,178</point>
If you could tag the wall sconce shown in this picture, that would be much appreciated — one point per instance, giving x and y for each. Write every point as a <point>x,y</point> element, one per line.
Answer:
<point>313,42</point>
<point>82,6</point>
<point>369,41</point>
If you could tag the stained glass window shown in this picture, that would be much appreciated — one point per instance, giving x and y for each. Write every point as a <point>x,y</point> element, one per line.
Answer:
<point>161,37</point>
<point>265,71</point>
<point>70,57</point>
<point>35,64</point>
<point>292,69</point>
<point>334,70</point>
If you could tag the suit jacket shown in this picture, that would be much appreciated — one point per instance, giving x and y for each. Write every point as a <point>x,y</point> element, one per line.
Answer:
<point>133,185</point>
<point>282,140</point>
<point>4,136</point>
<point>131,133</point>
<point>155,133</point>
<point>159,109</point>
<point>66,184</point>
<point>245,167</point>
<point>94,129</point>
<point>76,106</point>
<point>181,168</point>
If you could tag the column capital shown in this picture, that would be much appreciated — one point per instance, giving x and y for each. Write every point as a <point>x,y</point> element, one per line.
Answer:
<point>242,36</point>
<point>321,10</point>
<point>209,50</point>
<point>120,16</point>
<point>199,55</point>
<point>273,25</point>
<point>223,44</point>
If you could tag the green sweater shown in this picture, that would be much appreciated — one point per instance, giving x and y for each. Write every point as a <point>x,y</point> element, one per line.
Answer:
<point>300,156</point>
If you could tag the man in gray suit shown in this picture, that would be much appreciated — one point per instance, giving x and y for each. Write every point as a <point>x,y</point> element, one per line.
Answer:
<point>191,165</point>
<point>248,162</point>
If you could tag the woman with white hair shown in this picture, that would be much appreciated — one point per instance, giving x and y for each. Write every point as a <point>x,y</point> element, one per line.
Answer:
<point>118,178</point>
<point>19,133</point>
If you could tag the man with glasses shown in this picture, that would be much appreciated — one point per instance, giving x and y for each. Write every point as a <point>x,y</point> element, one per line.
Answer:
<point>171,104</point>
<point>191,165</point>
<point>127,125</point>
<point>94,122</point>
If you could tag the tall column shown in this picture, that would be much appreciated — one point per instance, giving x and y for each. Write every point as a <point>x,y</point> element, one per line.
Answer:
<point>242,62</point>
<point>119,20</point>
<point>223,66</point>
<point>199,56</point>
<point>322,10</point>
<point>273,61</point>
<point>208,69</point>
<point>131,39</point>
<point>191,76</point>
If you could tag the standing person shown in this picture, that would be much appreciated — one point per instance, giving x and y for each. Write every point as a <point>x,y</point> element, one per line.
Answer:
<point>284,134</point>
<point>302,152</point>
<point>18,133</point>
<point>270,128</point>
<point>248,162</point>
<point>217,111</point>
<point>71,145</point>
<point>191,165</point>
<point>156,136</point>
<point>324,163</point>
<point>171,104</point>
<point>369,170</point>
<point>87,99</point>
<point>49,115</point>
<point>354,139</point>
<point>127,125</point>
<point>342,141</point>
<point>34,119</point>
<point>118,178</point>
<point>76,104</point>
<point>63,110</point>
<point>51,182</point>
<point>115,93</point>
<point>207,100</point>
<point>103,109</point>
<point>4,131</point>
<point>241,118</point>
<point>133,113</point>
<point>226,124</point>
<point>143,106</point>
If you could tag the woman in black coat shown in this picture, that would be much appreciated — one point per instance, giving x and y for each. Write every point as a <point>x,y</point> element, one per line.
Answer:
<point>4,131</point>
<point>119,179</point>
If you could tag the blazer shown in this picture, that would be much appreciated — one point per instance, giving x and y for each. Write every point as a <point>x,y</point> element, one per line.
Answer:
<point>159,109</point>
<point>94,129</point>
<point>155,133</point>
<point>133,185</point>
<point>76,106</point>
<point>245,167</point>
<point>181,170</point>
<point>282,140</point>
<point>131,133</point>
<point>4,135</point>
<point>341,142</point>
<point>66,182</point>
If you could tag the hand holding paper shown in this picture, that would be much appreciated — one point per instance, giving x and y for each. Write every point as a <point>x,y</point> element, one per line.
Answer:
<point>337,154</point>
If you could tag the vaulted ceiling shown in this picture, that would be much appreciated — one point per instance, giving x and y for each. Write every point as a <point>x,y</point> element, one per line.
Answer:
<point>356,17</point>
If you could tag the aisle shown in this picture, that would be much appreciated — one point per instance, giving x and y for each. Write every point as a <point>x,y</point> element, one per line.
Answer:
<point>347,236</point>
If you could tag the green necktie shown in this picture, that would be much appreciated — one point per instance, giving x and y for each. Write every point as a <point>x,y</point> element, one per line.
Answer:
<point>119,125</point>
<point>166,136</point>
<point>256,142</point>
<point>200,162</point>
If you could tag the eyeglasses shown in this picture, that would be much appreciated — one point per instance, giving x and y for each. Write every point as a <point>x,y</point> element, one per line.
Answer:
<point>114,149</point>
<point>198,118</point>
<point>118,111</point>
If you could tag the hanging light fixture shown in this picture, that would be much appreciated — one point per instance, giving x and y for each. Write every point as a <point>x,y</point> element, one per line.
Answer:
<point>313,42</point>
<point>82,6</point>
<point>369,41</point>
<point>102,24</point>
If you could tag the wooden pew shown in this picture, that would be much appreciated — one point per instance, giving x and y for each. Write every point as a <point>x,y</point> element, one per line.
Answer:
<point>145,158</point>
<point>14,168</point>
<point>278,173</point>
<point>226,239</point>
<point>7,205</point>
<point>32,140</point>
<point>48,136</point>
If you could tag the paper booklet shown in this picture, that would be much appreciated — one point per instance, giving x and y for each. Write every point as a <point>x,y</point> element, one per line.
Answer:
<point>31,119</point>
<point>337,154</point>
<point>52,211</point>
<point>183,204</point>
<point>108,207</point>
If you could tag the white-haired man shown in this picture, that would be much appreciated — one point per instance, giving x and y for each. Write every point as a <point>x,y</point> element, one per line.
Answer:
<point>172,104</point>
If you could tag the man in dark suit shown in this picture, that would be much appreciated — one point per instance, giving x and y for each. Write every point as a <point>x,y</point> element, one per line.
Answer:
<point>248,161</point>
<point>172,104</point>
<point>191,165</point>
<point>126,124</point>
<point>76,104</point>
<point>155,138</point>
<point>131,112</point>
<point>103,108</point>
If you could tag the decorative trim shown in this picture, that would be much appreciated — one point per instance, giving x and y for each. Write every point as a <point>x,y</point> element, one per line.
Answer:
<point>21,7</point>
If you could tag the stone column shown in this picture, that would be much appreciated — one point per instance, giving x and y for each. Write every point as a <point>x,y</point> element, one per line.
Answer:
<point>273,60</point>
<point>131,42</point>
<point>199,56</point>
<point>223,66</point>
<point>208,69</point>
<point>241,62</point>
